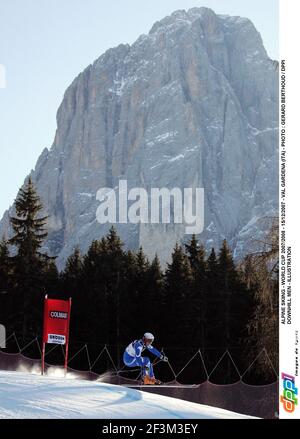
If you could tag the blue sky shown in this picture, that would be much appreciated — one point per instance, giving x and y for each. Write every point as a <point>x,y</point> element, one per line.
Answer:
<point>44,44</point>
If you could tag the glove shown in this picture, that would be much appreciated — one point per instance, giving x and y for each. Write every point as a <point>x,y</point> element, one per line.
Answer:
<point>164,358</point>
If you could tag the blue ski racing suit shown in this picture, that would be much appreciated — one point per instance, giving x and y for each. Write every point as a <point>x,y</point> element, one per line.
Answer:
<point>133,357</point>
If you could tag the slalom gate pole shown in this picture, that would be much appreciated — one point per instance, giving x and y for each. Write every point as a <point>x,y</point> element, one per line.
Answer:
<point>67,340</point>
<point>44,343</point>
<point>43,358</point>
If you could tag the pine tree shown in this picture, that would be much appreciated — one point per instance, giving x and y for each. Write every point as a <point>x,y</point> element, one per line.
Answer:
<point>261,272</point>
<point>212,265</point>
<point>196,256</point>
<point>94,318</point>
<point>129,305</point>
<point>73,268</point>
<point>155,280</point>
<point>139,293</point>
<point>154,310</point>
<point>103,273</point>
<point>52,280</point>
<point>28,263</point>
<point>212,276</point>
<point>114,243</point>
<point>142,262</point>
<point>216,310</point>
<point>115,260</point>
<point>4,283</point>
<point>226,269</point>
<point>4,266</point>
<point>192,250</point>
<point>177,297</point>
<point>227,283</point>
<point>72,275</point>
<point>228,310</point>
<point>198,298</point>
<point>72,285</point>
<point>28,226</point>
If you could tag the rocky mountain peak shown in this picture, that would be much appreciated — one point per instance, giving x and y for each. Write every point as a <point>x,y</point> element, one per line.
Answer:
<point>191,104</point>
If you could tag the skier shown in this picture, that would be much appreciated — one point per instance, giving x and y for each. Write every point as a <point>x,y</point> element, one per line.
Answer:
<point>133,357</point>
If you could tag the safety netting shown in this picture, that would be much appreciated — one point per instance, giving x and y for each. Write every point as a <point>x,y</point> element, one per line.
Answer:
<point>238,396</point>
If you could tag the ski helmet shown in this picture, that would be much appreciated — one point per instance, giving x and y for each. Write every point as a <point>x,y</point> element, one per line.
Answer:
<point>148,337</point>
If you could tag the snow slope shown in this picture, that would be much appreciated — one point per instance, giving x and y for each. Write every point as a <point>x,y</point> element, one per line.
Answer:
<point>25,395</point>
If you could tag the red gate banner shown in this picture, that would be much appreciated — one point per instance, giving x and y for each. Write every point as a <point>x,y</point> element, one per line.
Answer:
<point>56,321</point>
<point>56,325</point>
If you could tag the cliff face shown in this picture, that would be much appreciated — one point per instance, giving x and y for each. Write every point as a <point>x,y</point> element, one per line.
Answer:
<point>193,103</point>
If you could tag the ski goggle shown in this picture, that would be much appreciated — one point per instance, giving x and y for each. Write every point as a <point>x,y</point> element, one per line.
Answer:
<point>148,340</point>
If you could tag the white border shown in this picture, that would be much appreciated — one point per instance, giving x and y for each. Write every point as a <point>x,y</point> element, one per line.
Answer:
<point>289,51</point>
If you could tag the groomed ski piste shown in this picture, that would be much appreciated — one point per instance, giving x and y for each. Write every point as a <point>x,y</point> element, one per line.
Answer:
<point>31,396</point>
